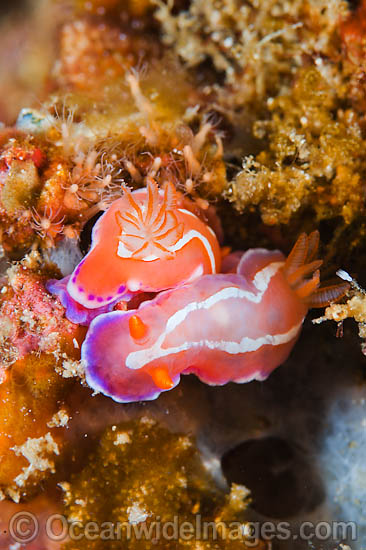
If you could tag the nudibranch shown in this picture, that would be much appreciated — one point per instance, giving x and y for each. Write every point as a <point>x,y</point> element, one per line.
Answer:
<point>235,326</point>
<point>144,242</point>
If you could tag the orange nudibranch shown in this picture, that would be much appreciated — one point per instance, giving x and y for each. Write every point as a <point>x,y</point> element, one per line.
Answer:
<point>144,242</point>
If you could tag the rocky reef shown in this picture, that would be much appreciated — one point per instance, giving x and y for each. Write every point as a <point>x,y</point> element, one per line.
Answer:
<point>248,118</point>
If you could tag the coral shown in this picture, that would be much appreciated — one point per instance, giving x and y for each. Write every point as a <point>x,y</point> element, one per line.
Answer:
<point>99,7</point>
<point>35,338</point>
<point>257,45</point>
<point>353,35</point>
<point>20,184</point>
<point>30,397</point>
<point>144,490</point>
<point>77,159</point>
<point>47,225</point>
<point>30,54</point>
<point>93,53</point>
<point>314,159</point>
<point>354,307</point>
<point>31,319</point>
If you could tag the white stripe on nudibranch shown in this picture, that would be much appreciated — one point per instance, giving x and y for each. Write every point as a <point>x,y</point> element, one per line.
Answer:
<point>232,348</point>
<point>187,212</point>
<point>196,273</point>
<point>137,359</point>
<point>197,235</point>
<point>262,278</point>
<point>261,282</point>
<point>123,252</point>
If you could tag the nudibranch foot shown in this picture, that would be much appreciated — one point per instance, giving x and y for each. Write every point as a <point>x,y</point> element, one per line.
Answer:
<point>75,312</point>
<point>102,353</point>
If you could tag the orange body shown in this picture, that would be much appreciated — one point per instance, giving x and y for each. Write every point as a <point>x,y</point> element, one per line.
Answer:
<point>144,242</point>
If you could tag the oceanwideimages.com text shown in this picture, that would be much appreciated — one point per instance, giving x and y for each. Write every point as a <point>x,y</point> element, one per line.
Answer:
<point>24,527</point>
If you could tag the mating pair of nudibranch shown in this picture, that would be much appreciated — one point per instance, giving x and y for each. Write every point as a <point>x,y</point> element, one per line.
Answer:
<point>231,320</point>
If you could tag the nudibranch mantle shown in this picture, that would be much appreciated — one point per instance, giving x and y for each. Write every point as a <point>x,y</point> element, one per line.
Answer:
<point>236,326</point>
<point>144,242</point>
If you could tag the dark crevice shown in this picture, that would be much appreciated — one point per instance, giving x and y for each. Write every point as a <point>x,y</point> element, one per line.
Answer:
<point>86,233</point>
<point>282,482</point>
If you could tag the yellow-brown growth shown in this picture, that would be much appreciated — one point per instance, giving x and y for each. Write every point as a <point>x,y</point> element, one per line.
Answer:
<point>35,340</point>
<point>140,474</point>
<point>29,399</point>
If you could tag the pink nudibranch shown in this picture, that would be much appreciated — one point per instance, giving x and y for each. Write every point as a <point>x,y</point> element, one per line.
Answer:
<point>144,242</point>
<point>225,327</point>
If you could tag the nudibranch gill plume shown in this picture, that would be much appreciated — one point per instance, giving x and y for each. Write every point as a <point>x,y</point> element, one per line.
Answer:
<point>144,242</point>
<point>235,326</point>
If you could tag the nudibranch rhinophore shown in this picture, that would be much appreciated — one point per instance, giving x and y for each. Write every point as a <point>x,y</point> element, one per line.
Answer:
<point>235,326</point>
<point>144,242</point>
